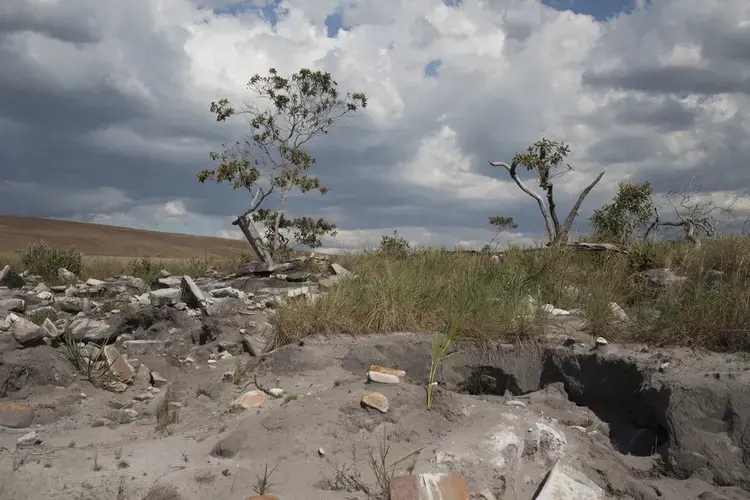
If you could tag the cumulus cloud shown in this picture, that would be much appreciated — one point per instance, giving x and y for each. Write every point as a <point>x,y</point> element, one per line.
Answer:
<point>104,114</point>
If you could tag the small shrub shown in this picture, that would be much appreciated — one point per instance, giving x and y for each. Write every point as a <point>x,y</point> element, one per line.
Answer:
<point>44,260</point>
<point>394,246</point>
<point>144,268</point>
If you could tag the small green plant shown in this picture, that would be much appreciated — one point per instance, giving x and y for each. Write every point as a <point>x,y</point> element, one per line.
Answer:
<point>44,260</point>
<point>441,342</point>
<point>385,471</point>
<point>97,465</point>
<point>394,246</point>
<point>144,268</point>
<point>123,464</point>
<point>262,483</point>
<point>89,360</point>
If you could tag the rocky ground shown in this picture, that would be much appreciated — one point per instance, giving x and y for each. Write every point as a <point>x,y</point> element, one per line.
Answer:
<point>189,400</point>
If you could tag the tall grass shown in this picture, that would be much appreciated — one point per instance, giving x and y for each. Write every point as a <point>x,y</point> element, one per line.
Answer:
<point>423,290</point>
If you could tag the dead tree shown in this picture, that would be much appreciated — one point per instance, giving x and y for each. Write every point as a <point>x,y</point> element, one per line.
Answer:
<point>696,218</point>
<point>543,157</point>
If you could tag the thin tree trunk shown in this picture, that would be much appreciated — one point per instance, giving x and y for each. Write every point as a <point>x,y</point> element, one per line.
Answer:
<point>277,220</point>
<point>562,235</point>
<point>253,237</point>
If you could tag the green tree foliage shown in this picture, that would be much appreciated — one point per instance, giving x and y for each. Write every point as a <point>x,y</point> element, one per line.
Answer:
<point>272,159</point>
<point>622,220</point>
<point>544,158</point>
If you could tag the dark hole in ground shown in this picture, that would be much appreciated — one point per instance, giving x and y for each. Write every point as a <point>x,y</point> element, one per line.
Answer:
<point>614,390</point>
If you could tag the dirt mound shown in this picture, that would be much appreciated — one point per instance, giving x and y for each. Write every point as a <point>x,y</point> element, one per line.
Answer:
<point>25,370</point>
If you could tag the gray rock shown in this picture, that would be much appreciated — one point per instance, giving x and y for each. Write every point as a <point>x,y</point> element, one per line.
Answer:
<point>254,344</point>
<point>39,314</point>
<point>340,270</point>
<point>164,297</point>
<point>192,295</point>
<point>90,329</point>
<point>24,331</point>
<point>168,282</point>
<point>11,279</point>
<point>29,439</point>
<point>71,305</point>
<point>66,276</point>
<point>298,276</point>
<point>50,330</point>
<point>566,483</point>
<point>13,305</point>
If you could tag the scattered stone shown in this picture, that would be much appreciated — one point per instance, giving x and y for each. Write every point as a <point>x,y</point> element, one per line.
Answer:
<point>191,294</point>
<point>298,277</point>
<point>24,331</point>
<point>321,452</point>
<point>254,344</point>
<point>15,415</point>
<point>39,314</point>
<point>228,291</point>
<point>90,329</point>
<point>554,311</point>
<point>50,330</point>
<point>157,380</point>
<point>382,378</point>
<point>445,486</point>
<point>389,371</point>
<point>339,270</point>
<point>566,483</point>
<point>95,282</point>
<point>601,341</point>
<point>11,279</point>
<point>13,305</point>
<point>66,276</point>
<point>71,305</point>
<point>119,366</point>
<point>663,367</point>
<point>276,392</point>
<point>164,297</point>
<point>28,439</point>
<point>45,295</point>
<point>376,401</point>
<point>518,404</point>
<point>250,399</point>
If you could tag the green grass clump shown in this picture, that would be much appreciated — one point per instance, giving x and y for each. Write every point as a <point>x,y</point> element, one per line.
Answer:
<point>44,260</point>
<point>422,290</point>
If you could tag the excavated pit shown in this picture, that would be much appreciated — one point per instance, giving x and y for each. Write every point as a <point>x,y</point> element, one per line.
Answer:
<point>613,389</point>
<point>695,419</point>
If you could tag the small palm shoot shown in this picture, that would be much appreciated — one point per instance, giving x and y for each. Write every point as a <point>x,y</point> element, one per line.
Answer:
<point>441,342</point>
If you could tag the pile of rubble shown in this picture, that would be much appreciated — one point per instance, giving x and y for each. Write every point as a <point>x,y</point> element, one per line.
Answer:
<point>128,313</point>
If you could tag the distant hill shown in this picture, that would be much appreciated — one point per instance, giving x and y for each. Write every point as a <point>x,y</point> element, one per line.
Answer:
<point>17,233</point>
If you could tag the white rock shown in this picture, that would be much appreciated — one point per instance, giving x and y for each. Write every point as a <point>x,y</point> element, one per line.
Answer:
<point>383,378</point>
<point>601,341</point>
<point>28,439</point>
<point>276,392</point>
<point>45,295</point>
<point>618,312</point>
<point>94,282</point>
<point>566,483</point>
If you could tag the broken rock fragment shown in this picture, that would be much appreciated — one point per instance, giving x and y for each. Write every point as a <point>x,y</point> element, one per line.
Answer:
<point>566,483</point>
<point>24,331</point>
<point>445,486</point>
<point>119,366</point>
<point>382,378</point>
<point>376,401</point>
<point>250,399</point>
<point>191,294</point>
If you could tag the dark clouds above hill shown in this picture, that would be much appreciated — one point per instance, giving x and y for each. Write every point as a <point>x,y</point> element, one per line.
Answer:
<point>104,107</point>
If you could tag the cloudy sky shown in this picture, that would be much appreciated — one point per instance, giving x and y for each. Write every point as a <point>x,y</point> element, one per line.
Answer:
<point>104,106</point>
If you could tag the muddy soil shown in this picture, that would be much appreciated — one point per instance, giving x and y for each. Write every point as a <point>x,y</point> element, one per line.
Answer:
<point>640,423</point>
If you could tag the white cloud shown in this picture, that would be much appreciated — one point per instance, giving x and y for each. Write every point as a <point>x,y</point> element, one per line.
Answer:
<point>656,94</point>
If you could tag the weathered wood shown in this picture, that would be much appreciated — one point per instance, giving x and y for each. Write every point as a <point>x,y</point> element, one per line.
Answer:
<point>253,237</point>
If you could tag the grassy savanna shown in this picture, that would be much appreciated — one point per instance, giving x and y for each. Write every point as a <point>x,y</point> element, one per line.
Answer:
<point>400,289</point>
<point>424,290</point>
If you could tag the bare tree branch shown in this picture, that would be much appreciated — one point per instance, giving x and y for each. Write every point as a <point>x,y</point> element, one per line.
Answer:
<point>562,236</point>
<point>542,206</point>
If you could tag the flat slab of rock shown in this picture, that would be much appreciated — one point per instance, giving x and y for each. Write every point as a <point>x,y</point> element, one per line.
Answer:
<point>90,329</point>
<point>118,365</point>
<point>382,378</point>
<point>566,483</point>
<point>390,371</point>
<point>446,486</point>
<point>15,415</point>
<point>250,399</point>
